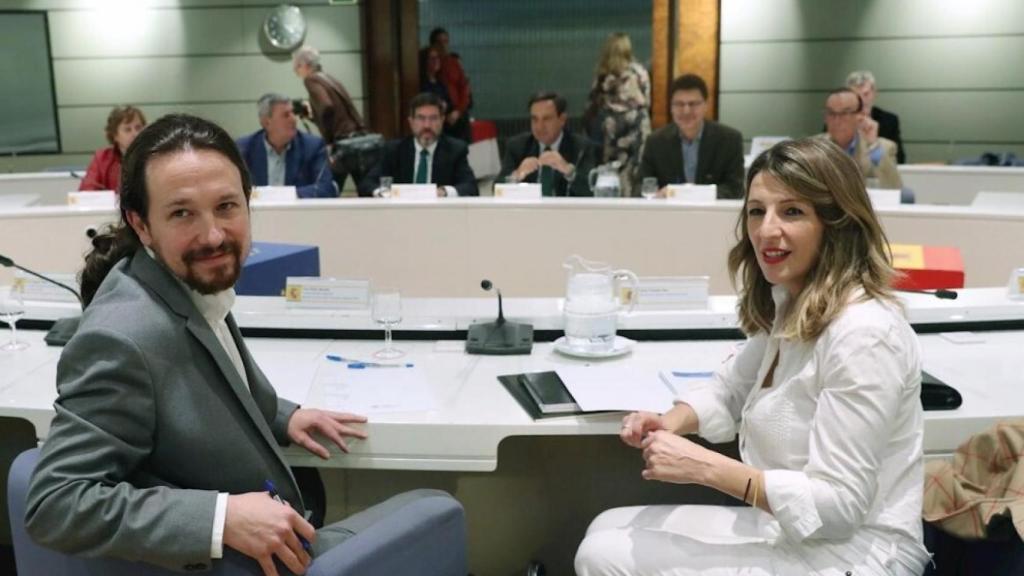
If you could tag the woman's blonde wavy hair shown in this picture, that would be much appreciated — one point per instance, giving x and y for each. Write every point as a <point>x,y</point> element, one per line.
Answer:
<point>854,252</point>
<point>616,54</point>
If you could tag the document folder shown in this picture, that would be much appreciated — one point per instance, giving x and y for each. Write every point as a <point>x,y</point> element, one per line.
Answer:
<point>541,394</point>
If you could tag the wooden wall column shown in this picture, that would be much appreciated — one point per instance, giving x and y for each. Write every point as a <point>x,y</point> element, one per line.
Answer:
<point>685,36</point>
<point>390,62</point>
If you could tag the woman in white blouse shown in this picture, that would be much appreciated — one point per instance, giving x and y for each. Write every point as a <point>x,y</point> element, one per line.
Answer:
<point>824,397</point>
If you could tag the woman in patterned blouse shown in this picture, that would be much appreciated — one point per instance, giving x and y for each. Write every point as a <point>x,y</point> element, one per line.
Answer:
<point>620,97</point>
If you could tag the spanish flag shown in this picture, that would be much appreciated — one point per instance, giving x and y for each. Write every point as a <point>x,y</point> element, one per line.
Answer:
<point>927,267</point>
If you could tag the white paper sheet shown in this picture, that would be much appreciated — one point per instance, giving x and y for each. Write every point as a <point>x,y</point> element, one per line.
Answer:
<point>291,379</point>
<point>616,388</point>
<point>375,390</point>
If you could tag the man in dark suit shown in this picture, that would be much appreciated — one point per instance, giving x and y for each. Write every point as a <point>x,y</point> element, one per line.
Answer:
<point>279,155</point>
<point>166,430</point>
<point>863,83</point>
<point>693,149</point>
<point>426,157</point>
<point>549,154</point>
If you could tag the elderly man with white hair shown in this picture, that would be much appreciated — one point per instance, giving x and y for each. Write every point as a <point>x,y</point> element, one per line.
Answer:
<point>863,83</point>
<point>332,109</point>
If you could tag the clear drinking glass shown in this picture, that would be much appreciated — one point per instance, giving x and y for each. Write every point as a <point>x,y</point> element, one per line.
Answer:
<point>384,188</point>
<point>386,309</point>
<point>12,308</point>
<point>649,188</point>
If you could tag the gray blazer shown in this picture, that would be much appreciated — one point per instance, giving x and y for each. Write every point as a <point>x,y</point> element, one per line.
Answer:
<point>152,422</point>
<point>719,158</point>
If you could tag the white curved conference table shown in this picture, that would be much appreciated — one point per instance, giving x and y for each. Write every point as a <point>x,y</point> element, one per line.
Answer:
<point>474,413</point>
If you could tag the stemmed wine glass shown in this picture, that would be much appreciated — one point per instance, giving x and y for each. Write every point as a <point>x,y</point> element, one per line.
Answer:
<point>386,309</point>
<point>12,308</point>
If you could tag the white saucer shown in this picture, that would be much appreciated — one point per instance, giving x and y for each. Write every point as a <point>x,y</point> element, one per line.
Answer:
<point>622,346</point>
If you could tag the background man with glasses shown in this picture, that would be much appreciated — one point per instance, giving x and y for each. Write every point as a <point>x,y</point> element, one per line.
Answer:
<point>852,130</point>
<point>426,157</point>
<point>694,149</point>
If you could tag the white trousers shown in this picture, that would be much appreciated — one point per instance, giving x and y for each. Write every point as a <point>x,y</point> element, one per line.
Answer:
<point>723,541</point>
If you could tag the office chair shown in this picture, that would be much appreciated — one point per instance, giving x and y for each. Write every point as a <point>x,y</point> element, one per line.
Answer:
<point>427,537</point>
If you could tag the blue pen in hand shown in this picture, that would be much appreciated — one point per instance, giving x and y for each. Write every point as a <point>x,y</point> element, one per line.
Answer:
<point>269,487</point>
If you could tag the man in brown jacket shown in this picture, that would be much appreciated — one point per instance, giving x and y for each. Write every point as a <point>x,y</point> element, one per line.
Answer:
<point>332,111</point>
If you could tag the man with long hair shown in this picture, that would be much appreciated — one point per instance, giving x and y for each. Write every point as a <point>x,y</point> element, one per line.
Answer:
<point>167,433</point>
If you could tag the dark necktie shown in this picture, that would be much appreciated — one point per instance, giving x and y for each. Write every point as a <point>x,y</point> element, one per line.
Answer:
<point>547,177</point>
<point>421,168</point>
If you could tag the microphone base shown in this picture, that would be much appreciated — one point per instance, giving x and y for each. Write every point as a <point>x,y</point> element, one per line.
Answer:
<point>62,331</point>
<point>499,339</point>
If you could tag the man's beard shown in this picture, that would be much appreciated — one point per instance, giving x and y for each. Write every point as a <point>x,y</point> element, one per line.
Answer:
<point>220,278</point>
<point>423,140</point>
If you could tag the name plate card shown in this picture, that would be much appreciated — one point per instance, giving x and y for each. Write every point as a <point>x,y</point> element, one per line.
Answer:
<point>692,193</point>
<point>414,191</point>
<point>315,292</point>
<point>274,193</point>
<point>884,197</point>
<point>522,191</point>
<point>39,290</point>
<point>93,199</point>
<point>1016,288</point>
<point>670,293</point>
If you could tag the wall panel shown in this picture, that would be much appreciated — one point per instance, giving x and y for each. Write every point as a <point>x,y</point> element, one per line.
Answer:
<point>82,126</point>
<point>205,57</point>
<point>925,117</point>
<point>944,67</point>
<point>756,20</point>
<point>183,79</point>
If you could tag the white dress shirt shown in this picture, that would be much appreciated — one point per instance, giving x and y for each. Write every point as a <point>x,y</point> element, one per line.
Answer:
<point>277,164</point>
<point>838,433</point>
<point>215,309</point>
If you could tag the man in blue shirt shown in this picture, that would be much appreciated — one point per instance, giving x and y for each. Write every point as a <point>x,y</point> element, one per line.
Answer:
<point>279,155</point>
<point>850,128</point>
<point>694,149</point>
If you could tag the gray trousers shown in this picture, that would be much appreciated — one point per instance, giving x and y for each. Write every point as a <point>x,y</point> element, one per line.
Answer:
<point>335,534</point>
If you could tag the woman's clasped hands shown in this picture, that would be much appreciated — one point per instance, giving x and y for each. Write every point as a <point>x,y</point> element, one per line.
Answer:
<point>667,456</point>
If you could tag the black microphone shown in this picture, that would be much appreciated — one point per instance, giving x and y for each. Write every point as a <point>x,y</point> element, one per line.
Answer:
<point>941,293</point>
<point>63,328</point>
<point>8,263</point>
<point>486,285</point>
<point>499,336</point>
<point>576,172</point>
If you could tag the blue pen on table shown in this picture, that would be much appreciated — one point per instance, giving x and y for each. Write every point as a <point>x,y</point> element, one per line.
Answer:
<point>362,364</point>
<point>268,485</point>
<point>692,374</point>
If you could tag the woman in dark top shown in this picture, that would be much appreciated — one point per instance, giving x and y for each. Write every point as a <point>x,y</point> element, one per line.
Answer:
<point>430,70</point>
